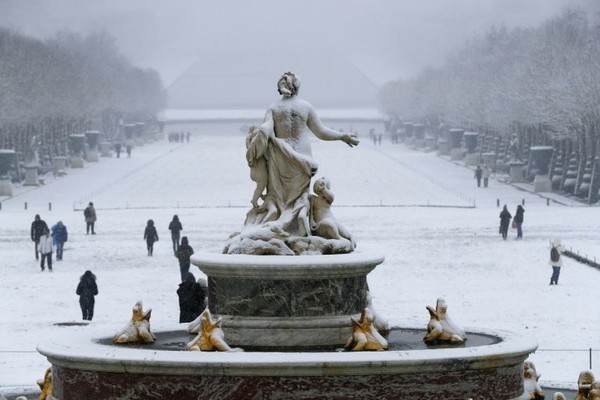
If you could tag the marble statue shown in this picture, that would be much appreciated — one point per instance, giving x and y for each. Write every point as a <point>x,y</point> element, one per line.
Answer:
<point>365,335</point>
<point>532,389</point>
<point>281,164</point>
<point>46,385</point>
<point>515,148</point>
<point>211,336</point>
<point>441,327</point>
<point>138,329</point>
<point>31,154</point>
<point>559,396</point>
<point>584,384</point>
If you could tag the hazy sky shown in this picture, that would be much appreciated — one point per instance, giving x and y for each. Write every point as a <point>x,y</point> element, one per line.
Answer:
<point>385,39</point>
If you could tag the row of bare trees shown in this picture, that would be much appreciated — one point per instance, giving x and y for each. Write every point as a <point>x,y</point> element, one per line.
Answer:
<point>68,84</point>
<point>539,79</point>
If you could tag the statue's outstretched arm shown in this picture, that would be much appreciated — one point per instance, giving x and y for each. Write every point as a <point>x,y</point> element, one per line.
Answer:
<point>324,133</point>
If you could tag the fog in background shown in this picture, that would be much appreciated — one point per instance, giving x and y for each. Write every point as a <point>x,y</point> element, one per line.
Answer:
<point>382,40</point>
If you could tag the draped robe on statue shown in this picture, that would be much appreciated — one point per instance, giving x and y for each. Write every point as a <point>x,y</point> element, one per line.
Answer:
<point>289,170</point>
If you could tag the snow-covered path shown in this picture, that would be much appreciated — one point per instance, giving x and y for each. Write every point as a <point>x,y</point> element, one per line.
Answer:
<point>382,192</point>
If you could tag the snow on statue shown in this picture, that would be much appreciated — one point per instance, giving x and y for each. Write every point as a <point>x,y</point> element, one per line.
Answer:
<point>281,164</point>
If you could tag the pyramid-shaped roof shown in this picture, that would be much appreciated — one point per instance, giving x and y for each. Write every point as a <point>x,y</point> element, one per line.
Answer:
<point>223,80</point>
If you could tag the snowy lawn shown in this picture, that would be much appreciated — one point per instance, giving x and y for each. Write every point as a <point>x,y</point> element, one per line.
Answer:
<point>452,250</point>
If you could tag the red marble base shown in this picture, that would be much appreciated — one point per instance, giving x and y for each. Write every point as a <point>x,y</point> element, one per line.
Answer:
<point>451,383</point>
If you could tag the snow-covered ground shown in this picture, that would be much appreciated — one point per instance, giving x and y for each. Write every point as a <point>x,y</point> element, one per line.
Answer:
<point>449,249</point>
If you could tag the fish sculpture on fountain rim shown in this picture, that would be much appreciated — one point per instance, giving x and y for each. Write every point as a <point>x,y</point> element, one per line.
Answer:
<point>441,328</point>
<point>138,328</point>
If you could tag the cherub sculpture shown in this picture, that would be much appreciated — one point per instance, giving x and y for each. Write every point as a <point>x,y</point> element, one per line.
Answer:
<point>211,336</point>
<point>138,329</point>
<point>256,145</point>
<point>441,327</point>
<point>559,396</point>
<point>584,384</point>
<point>46,385</point>
<point>533,390</point>
<point>322,221</point>
<point>364,335</point>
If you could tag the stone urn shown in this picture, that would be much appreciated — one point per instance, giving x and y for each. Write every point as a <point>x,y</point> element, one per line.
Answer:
<point>8,159</point>
<point>77,146</point>
<point>139,129</point>
<point>456,137</point>
<point>470,139</point>
<point>59,164</point>
<point>419,133</point>
<point>93,139</point>
<point>540,157</point>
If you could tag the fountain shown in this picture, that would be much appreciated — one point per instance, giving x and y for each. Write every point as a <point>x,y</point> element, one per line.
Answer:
<point>296,316</point>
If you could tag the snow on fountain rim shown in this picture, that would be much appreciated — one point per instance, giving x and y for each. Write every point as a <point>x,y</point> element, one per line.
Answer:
<point>82,351</point>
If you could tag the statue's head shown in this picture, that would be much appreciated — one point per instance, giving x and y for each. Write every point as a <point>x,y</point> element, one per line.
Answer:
<point>321,184</point>
<point>288,84</point>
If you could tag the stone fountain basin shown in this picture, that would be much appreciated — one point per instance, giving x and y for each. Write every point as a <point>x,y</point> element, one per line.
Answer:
<point>87,365</point>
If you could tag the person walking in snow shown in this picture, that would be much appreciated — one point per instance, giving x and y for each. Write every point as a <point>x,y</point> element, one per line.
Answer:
<point>87,289</point>
<point>486,176</point>
<point>46,249</point>
<point>191,299</point>
<point>38,226</point>
<point>90,218</point>
<point>175,228</point>
<point>478,173</point>
<point>556,250</point>
<point>59,237</point>
<point>150,236</point>
<point>183,253</point>
<point>505,217</point>
<point>519,221</point>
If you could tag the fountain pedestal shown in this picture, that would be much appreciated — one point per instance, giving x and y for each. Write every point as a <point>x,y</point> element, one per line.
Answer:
<point>516,171</point>
<point>6,186</point>
<point>287,302</point>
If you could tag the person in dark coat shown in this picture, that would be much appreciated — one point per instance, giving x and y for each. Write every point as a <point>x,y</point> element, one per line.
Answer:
<point>90,218</point>
<point>59,237</point>
<point>519,221</point>
<point>86,290</point>
<point>150,236</point>
<point>478,175</point>
<point>183,253</point>
<point>38,226</point>
<point>505,217</point>
<point>175,228</point>
<point>191,299</point>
